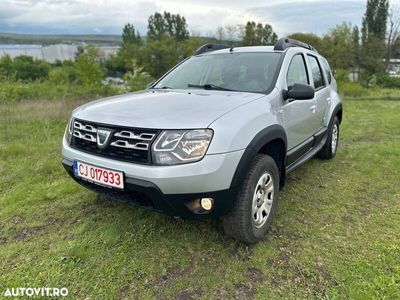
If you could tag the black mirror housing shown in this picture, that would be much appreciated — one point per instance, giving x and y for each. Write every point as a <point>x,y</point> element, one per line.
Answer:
<point>299,92</point>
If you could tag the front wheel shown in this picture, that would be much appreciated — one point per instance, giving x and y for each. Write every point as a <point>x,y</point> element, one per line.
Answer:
<point>256,204</point>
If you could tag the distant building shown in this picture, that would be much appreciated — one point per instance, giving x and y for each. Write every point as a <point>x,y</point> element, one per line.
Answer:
<point>50,53</point>
<point>393,67</point>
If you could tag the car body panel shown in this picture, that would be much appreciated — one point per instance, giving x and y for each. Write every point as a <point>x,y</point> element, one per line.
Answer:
<point>164,109</point>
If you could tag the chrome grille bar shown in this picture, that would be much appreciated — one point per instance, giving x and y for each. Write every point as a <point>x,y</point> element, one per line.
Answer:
<point>80,126</point>
<point>131,135</point>
<point>84,136</point>
<point>125,144</point>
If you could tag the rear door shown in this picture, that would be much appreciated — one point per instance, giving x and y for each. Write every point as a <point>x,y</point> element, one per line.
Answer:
<point>297,114</point>
<point>322,93</point>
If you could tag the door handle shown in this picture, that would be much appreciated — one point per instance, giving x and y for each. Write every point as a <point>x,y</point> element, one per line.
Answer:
<point>313,108</point>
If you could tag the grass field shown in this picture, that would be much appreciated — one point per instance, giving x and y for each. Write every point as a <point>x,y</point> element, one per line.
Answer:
<point>336,234</point>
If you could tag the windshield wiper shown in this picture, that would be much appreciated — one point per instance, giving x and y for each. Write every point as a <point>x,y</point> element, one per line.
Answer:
<point>209,86</point>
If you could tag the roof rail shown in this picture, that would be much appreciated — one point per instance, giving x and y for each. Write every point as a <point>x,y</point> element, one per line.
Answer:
<point>210,47</point>
<point>284,43</point>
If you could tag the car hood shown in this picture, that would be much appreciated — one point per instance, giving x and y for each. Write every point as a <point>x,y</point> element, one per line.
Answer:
<point>164,109</point>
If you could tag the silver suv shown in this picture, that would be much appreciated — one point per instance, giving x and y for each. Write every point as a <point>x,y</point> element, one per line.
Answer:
<point>214,137</point>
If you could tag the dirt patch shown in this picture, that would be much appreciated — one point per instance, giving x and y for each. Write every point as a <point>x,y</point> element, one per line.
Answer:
<point>56,221</point>
<point>244,291</point>
<point>255,275</point>
<point>25,233</point>
<point>188,294</point>
<point>171,275</point>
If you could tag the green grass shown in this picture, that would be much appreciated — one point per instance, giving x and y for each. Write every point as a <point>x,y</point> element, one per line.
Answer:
<point>355,90</point>
<point>336,234</point>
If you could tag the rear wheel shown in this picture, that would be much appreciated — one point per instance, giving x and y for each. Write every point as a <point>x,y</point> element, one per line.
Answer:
<point>256,204</point>
<point>332,141</point>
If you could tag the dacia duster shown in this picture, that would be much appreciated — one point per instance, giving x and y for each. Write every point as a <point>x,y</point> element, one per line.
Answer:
<point>214,137</point>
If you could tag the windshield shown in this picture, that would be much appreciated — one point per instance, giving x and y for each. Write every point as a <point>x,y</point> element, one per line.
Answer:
<point>244,72</point>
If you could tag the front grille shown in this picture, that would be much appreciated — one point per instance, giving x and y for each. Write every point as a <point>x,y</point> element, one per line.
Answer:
<point>124,143</point>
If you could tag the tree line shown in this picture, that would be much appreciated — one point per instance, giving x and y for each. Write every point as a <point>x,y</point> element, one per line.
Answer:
<point>363,51</point>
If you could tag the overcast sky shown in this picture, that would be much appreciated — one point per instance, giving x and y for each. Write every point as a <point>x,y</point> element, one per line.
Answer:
<point>203,16</point>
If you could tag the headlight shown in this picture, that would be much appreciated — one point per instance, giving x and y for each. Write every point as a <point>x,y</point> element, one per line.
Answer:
<point>174,147</point>
<point>68,130</point>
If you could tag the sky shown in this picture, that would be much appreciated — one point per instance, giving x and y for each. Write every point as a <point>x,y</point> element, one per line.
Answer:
<point>202,16</point>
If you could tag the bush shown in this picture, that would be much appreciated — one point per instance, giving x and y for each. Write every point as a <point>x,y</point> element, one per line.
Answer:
<point>352,89</point>
<point>17,91</point>
<point>6,68</point>
<point>65,74</point>
<point>28,69</point>
<point>138,80</point>
<point>388,82</point>
<point>342,75</point>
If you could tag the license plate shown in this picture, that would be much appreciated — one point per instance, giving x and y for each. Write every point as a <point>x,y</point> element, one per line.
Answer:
<point>98,175</point>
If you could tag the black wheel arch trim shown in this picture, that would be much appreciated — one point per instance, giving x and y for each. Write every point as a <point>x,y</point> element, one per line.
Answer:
<point>265,136</point>
<point>338,107</point>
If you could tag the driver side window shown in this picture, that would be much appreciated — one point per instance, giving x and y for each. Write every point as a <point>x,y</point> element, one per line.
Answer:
<point>297,72</point>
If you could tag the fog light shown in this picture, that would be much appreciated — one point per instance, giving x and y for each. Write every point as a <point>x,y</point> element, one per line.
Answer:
<point>207,203</point>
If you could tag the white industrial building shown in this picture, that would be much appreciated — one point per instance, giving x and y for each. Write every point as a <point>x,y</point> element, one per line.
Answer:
<point>50,53</point>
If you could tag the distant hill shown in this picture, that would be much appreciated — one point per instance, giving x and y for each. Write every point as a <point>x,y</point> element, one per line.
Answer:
<point>13,38</point>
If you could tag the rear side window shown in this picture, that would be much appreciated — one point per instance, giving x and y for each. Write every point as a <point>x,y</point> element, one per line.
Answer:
<point>327,70</point>
<point>316,72</point>
<point>297,72</point>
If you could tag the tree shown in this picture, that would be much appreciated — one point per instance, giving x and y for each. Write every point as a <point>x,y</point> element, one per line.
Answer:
<point>373,36</point>
<point>122,62</point>
<point>309,38</point>
<point>338,47</point>
<point>167,25</point>
<point>259,34</point>
<point>130,35</point>
<point>356,50</point>
<point>160,55</point>
<point>232,32</point>
<point>88,70</point>
<point>220,33</point>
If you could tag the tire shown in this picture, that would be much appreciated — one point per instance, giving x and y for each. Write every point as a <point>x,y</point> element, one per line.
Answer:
<point>245,222</point>
<point>330,148</point>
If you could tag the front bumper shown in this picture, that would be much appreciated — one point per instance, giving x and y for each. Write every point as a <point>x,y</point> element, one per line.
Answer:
<point>148,195</point>
<point>212,173</point>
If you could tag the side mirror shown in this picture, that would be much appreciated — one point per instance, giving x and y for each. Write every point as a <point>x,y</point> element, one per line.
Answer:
<point>150,85</point>
<point>299,92</point>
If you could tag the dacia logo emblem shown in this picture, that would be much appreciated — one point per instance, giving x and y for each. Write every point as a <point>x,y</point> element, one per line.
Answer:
<point>103,136</point>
